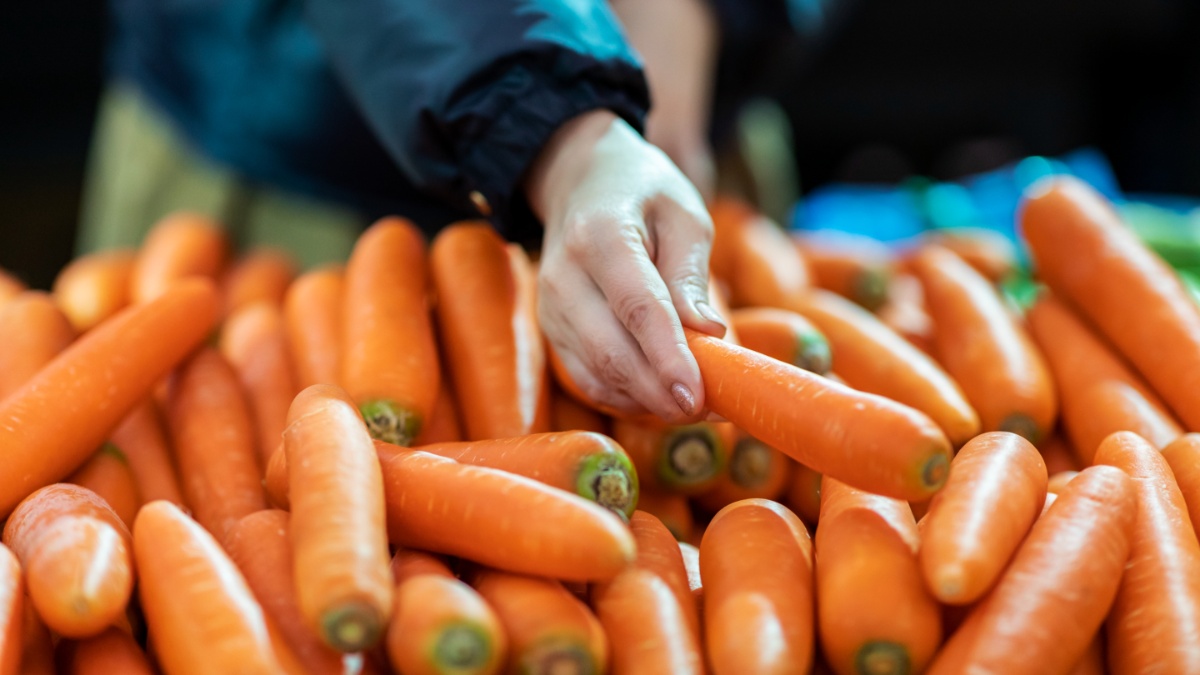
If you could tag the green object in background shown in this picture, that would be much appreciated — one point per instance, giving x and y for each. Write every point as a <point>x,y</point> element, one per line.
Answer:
<point>1174,236</point>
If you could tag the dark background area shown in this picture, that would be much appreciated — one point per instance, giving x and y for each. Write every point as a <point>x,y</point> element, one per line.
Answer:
<point>936,87</point>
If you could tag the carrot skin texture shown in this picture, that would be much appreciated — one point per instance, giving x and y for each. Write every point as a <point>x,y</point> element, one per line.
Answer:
<point>93,287</point>
<point>1087,256</point>
<point>873,358</point>
<point>109,475</point>
<point>858,268</point>
<point>94,383</point>
<point>33,330</point>
<point>984,349</point>
<point>1048,606</point>
<point>545,624</point>
<point>141,438</point>
<point>262,275</point>
<point>201,614</point>
<point>783,335</point>
<point>1183,455</point>
<point>12,612</point>
<point>756,563</point>
<point>343,581</point>
<point>819,423</point>
<point>873,609</point>
<point>1154,623</point>
<point>180,246</point>
<point>645,625</point>
<point>214,443</point>
<point>261,547</point>
<point>658,553</point>
<point>389,362</point>
<point>312,311</point>
<point>37,650</point>
<point>995,492</point>
<point>112,651</point>
<point>516,523</point>
<point>254,342</point>
<point>440,624</point>
<point>487,316</point>
<point>76,557</point>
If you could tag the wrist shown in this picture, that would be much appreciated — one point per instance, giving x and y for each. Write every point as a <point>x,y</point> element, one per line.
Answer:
<point>563,161</point>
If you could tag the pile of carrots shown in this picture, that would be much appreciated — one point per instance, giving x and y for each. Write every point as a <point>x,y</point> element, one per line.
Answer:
<point>218,464</point>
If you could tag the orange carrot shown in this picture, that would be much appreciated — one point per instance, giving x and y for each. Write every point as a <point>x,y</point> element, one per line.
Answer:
<point>180,246</point>
<point>856,267</point>
<point>1154,623</point>
<point>500,519</point>
<point>444,425</point>
<point>33,330</point>
<point>112,651</point>
<point>1093,662</point>
<point>568,414</point>
<point>494,349</point>
<point>875,614</point>
<point>804,494</point>
<point>756,561</point>
<point>873,358</point>
<point>75,553</point>
<point>685,459</point>
<point>1183,455</point>
<point>645,626</point>
<point>584,463</point>
<point>37,648</point>
<point>53,423</point>
<point>262,275</point>
<point>670,508</point>
<point>1046,609</point>
<point>389,362</point>
<point>109,475</point>
<point>440,624</point>
<point>214,443</point>
<point>783,335</point>
<point>93,287</point>
<point>12,612</point>
<point>990,253</point>
<point>981,345</point>
<point>549,630</point>
<point>658,553</point>
<point>867,440</point>
<point>201,614</point>
<point>755,470</point>
<point>140,437</point>
<point>976,523</point>
<point>261,546</point>
<point>1088,257</point>
<point>254,342</point>
<point>755,257</point>
<point>1099,393</point>
<point>338,535</point>
<point>312,311</point>
<point>10,286</point>
<point>906,313</point>
<point>1058,482</point>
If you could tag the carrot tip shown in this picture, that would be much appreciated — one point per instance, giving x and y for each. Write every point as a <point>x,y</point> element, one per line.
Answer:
<point>948,584</point>
<point>750,462</point>
<point>352,627</point>
<point>1022,425</point>
<point>462,648</point>
<point>882,658</point>
<point>693,455</point>
<point>870,288</point>
<point>554,657</point>
<point>813,354</point>
<point>389,422</point>
<point>935,471</point>
<point>609,480</point>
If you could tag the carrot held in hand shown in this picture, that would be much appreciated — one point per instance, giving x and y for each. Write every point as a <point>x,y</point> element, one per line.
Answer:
<point>1046,609</point>
<point>312,311</point>
<point>487,314</point>
<point>784,335</point>
<point>983,348</point>
<point>868,441</point>
<point>33,330</point>
<point>871,357</point>
<point>338,533</point>
<point>1183,455</point>
<point>389,363</point>
<point>93,287</point>
<point>180,246</point>
<point>262,275</point>
<point>1154,624</point>
<point>254,341</point>
<point>1088,257</point>
<point>995,492</point>
<point>113,651</point>
<point>76,556</point>
<point>140,437</point>
<point>874,612</point>
<point>685,459</point>
<point>201,614</point>
<point>54,422</point>
<point>12,612</point>
<point>109,475</point>
<point>756,562</point>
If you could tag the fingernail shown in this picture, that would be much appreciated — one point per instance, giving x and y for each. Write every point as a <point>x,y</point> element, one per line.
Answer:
<point>706,310</point>
<point>683,396</point>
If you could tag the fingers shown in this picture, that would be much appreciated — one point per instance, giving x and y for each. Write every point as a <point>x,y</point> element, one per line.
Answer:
<point>684,242</point>
<point>639,298</point>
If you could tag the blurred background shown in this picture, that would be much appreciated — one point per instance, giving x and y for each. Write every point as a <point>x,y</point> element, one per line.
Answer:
<point>881,93</point>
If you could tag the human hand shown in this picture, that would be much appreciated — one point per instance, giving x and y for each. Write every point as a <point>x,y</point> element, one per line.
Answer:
<point>624,261</point>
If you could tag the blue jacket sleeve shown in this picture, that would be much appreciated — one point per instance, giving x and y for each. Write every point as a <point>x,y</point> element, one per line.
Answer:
<point>464,93</point>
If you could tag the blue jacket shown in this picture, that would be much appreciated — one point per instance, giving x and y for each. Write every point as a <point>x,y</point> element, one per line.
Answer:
<point>389,106</point>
